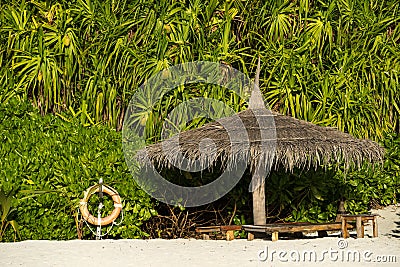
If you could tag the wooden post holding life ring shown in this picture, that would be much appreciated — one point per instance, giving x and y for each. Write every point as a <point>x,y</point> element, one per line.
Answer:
<point>106,220</point>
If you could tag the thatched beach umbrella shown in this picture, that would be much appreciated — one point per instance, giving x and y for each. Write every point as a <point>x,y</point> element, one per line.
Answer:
<point>289,143</point>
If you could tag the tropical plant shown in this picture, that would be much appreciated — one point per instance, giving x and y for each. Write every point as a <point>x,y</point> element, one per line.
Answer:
<point>333,63</point>
<point>7,211</point>
<point>52,162</point>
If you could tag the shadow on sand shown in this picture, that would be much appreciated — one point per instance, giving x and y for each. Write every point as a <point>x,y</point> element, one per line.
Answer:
<point>396,232</point>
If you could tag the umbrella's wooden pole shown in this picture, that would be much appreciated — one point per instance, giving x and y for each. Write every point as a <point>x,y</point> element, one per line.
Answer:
<point>257,101</point>
<point>259,214</point>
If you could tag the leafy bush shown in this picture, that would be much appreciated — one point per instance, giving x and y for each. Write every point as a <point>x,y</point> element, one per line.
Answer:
<point>313,196</point>
<point>377,187</point>
<point>51,162</point>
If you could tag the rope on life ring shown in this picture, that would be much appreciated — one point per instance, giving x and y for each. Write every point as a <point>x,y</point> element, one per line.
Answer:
<point>106,220</point>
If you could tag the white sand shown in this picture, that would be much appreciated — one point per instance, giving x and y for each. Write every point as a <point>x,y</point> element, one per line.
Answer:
<point>183,252</point>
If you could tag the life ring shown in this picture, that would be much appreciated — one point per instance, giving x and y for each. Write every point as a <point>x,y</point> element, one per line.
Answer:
<point>106,220</point>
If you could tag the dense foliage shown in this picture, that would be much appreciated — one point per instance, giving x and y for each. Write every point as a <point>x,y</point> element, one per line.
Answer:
<point>48,163</point>
<point>334,63</point>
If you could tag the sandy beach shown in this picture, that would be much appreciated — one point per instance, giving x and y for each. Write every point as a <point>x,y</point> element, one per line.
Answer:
<point>310,251</point>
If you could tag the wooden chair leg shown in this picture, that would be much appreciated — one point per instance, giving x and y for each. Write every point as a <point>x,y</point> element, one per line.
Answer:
<point>359,227</point>
<point>345,233</point>
<point>375,227</point>
<point>275,236</point>
<point>230,235</point>
<point>362,230</point>
<point>250,236</point>
<point>206,237</point>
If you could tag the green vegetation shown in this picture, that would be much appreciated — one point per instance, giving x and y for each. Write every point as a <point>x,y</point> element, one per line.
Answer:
<point>6,212</point>
<point>334,63</point>
<point>48,163</point>
<point>313,196</point>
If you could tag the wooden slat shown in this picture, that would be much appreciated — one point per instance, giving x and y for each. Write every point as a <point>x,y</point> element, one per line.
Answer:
<point>231,227</point>
<point>364,217</point>
<point>218,228</point>
<point>208,229</point>
<point>254,228</point>
<point>290,228</point>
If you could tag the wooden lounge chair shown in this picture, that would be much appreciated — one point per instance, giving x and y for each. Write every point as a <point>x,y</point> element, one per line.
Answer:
<point>275,228</point>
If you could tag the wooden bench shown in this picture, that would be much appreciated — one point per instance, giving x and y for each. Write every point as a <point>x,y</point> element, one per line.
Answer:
<point>276,228</point>
<point>360,219</point>
<point>228,230</point>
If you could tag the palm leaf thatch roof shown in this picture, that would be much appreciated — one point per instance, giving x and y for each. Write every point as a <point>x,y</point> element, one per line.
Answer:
<point>298,144</point>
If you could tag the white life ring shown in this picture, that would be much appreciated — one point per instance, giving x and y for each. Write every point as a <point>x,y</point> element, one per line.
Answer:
<point>106,220</point>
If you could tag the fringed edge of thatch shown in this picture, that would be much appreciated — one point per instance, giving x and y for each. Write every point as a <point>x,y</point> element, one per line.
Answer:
<point>295,144</point>
<point>312,155</point>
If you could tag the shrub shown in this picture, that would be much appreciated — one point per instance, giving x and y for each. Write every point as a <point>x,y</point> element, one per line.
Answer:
<point>51,162</point>
<point>313,196</point>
